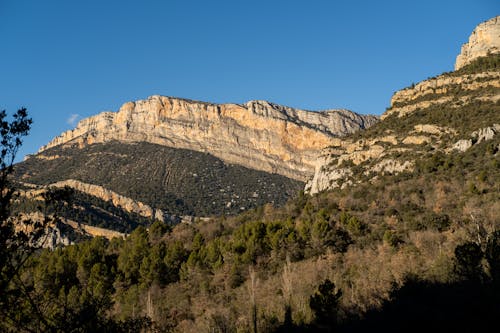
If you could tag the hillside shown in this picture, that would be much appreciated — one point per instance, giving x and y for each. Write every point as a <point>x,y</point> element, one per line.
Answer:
<point>447,114</point>
<point>174,181</point>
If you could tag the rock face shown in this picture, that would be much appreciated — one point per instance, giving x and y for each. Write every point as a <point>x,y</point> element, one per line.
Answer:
<point>484,39</point>
<point>125,203</point>
<point>259,135</point>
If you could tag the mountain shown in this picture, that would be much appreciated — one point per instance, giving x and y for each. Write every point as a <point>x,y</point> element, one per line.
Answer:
<point>258,135</point>
<point>170,159</point>
<point>157,181</point>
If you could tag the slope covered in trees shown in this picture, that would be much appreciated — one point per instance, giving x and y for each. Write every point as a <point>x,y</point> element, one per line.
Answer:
<point>179,181</point>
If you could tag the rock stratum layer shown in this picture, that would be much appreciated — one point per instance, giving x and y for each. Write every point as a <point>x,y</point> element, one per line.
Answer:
<point>484,40</point>
<point>259,135</point>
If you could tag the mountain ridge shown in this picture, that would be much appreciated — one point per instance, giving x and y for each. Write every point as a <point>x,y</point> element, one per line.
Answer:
<point>258,134</point>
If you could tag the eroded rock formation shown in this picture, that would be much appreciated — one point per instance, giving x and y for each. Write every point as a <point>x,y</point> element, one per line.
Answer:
<point>484,40</point>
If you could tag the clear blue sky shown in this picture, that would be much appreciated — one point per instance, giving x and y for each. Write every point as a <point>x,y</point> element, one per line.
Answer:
<point>72,59</point>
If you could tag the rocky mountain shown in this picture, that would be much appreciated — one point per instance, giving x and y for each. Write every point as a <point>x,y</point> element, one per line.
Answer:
<point>172,159</point>
<point>448,114</point>
<point>258,134</point>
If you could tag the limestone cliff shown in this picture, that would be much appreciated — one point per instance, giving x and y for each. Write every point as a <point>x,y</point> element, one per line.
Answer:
<point>259,135</point>
<point>60,231</point>
<point>484,40</point>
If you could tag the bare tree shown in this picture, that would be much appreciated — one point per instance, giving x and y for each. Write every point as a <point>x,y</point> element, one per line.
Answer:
<point>287,291</point>
<point>252,286</point>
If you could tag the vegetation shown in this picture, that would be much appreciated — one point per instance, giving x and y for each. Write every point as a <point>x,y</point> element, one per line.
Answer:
<point>488,63</point>
<point>84,208</point>
<point>179,181</point>
<point>350,253</point>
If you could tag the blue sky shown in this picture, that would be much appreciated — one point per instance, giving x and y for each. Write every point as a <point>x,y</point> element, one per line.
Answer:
<point>65,60</point>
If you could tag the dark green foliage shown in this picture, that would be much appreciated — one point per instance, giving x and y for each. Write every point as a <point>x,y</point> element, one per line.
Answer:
<point>179,181</point>
<point>431,221</point>
<point>324,303</point>
<point>468,265</point>
<point>392,238</point>
<point>422,306</point>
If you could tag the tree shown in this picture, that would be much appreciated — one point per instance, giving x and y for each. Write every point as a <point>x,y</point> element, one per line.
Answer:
<point>51,298</point>
<point>14,245</point>
<point>493,255</point>
<point>468,264</point>
<point>324,303</point>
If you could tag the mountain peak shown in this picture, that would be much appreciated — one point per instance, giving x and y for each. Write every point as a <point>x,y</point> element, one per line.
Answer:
<point>484,40</point>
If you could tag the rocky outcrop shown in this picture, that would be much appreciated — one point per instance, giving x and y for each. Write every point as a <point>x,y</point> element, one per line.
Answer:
<point>369,158</point>
<point>456,89</point>
<point>485,134</point>
<point>482,134</point>
<point>484,40</point>
<point>125,203</point>
<point>59,231</point>
<point>116,199</point>
<point>441,90</point>
<point>259,135</point>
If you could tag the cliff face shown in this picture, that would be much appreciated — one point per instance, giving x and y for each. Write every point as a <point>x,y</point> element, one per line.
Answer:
<point>116,199</point>
<point>258,134</point>
<point>484,40</point>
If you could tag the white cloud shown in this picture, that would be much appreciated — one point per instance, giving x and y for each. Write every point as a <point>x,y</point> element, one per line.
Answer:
<point>72,119</point>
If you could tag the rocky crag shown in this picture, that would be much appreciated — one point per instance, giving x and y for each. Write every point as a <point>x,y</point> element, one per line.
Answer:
<point>447,114</point>
<point>258,134</point>
<point>484,40</point>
